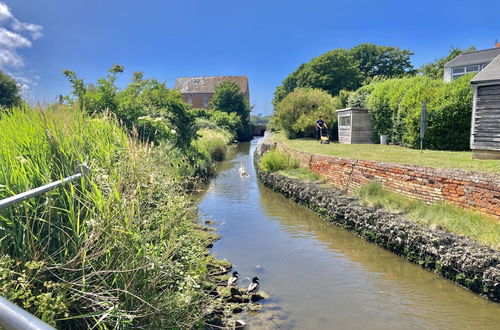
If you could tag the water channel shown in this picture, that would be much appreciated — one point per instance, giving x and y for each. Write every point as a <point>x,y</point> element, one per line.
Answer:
<point>321,276</point>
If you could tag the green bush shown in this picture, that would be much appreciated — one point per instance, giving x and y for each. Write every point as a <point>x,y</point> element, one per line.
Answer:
<point>395,106</point>
<point>213,143</point>
<point>219,120</point>
<point>275,160</point>
<point>297,113</point>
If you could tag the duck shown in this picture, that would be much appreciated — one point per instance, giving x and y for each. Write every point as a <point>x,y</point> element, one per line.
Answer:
<point>233,280</point>
<point>254,286</point>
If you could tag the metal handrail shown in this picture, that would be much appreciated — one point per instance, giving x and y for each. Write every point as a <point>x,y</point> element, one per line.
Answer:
<point>81,170</point>
<point>13,317</point>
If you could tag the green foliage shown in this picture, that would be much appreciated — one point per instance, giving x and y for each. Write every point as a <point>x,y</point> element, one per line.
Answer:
<point>275,160</point>
<point>229,98</point>
<point>396,104</point>
<point>382,61</point>
<point>259,119</point>
<point>215,119</point>
<point>435,70</point>
<point>213,143</point>
<point>297,113</point>
<point>481,228</point>
<point>346,69</point>
<point>10,91</point>
<point>157,112</point>
<point>115,250</point>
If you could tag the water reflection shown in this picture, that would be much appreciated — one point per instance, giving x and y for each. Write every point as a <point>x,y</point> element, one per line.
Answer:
<point>324,276</point>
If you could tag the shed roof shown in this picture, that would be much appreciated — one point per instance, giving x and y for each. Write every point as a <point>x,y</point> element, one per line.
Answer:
<point>354,109</point>
<point>490,73</point>
<point>476,57</point>
<point>208,84</point>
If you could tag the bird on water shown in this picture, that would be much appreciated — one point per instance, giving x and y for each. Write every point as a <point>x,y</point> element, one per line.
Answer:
<point>254,286</point>
<point>233,280</point>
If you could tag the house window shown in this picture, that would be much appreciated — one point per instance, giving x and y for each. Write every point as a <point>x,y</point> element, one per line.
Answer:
<point>189,101</point>
<point>461,70</point>
<point>345,121</point>
<point>205,101</point>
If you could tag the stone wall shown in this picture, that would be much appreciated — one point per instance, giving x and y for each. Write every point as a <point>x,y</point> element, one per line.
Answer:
<point>478,191</point>
<point>457,258</point>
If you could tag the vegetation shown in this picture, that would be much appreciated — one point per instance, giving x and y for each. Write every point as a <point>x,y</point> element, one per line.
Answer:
<point>158,113</point>
<point>117,249</point>
<point>396,104</point>
<point>384,153</point>
<point>301,173</point>
<point>10,91</point>
<point>229,98</point>
<point>297,113</point>
<point>346,69</point>
<point>213,143</point>
<point>275,160</point>
<point>435,70</point>
<point>480,228</point>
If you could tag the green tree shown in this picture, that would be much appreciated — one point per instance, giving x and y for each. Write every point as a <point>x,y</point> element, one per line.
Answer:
<point>347,69</point>
<point>9,91</point>
<point>297,113</point>
<point>229,98</point>
<point>382,61</point>
<point>435,69</point>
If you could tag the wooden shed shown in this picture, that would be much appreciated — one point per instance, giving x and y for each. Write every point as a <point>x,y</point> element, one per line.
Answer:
<point>355,126</point>
<point>485,127</point>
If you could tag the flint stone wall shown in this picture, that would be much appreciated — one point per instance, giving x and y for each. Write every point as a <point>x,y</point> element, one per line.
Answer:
<point>455,257</point>
<point>467,189</point>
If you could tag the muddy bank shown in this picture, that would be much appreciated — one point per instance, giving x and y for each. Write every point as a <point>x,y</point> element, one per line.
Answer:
<point>457,258</point>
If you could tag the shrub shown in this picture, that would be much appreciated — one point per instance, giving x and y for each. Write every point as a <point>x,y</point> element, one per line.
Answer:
<point>275,160</point>
<point>395,106</point>
<point>221,120</point>
<point>297,113</point>
<point>213,143</point>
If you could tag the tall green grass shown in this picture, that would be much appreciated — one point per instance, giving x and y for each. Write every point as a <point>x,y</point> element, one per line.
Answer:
<point>117,249</point>
<point>213,143</point>
<point>478,227</point>
<point>275,160</point>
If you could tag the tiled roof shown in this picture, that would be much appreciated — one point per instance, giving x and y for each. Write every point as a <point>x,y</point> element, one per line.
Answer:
<point>208,84</point>
<point>490,73</point>
<point>476,57</point>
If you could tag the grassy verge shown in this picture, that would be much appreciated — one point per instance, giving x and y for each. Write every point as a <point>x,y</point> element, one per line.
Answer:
<point>301,174</point>
<point>116,250</point>
<point>480,228</point>
<point>376,152</point>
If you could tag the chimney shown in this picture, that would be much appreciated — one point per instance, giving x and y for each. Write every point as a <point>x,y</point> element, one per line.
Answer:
<point>497,44</point>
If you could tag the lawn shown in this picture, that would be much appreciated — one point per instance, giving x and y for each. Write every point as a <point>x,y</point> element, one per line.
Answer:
<point>395,154</point>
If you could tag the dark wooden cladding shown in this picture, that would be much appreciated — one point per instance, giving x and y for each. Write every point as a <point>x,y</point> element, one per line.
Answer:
<point>487,118</point>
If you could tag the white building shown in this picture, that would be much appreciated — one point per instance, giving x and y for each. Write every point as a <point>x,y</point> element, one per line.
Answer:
<point>469,62</point>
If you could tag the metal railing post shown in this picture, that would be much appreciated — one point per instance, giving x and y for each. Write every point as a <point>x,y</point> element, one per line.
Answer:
<point>13,317</point>
<point>81,170</point>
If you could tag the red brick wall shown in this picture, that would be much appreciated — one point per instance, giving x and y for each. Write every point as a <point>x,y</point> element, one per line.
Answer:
<point>466,189</point>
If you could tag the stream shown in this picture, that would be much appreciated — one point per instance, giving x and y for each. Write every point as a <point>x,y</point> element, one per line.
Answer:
<point>321,276</point>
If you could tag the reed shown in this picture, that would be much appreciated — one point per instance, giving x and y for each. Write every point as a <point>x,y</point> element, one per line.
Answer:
<point>117,249</point>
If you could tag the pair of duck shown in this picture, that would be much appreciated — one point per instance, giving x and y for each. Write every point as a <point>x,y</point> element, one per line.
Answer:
<point>253,287</point>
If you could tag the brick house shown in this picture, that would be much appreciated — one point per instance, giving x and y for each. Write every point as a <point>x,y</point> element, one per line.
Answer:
<point>197,91</point>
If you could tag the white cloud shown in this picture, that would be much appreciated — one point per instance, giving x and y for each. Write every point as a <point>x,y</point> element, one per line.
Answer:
<point>15,35</point>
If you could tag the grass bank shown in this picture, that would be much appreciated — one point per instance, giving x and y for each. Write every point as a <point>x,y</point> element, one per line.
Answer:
<point>395,154</point>
<point>478,227</point>
<point>116,250</point>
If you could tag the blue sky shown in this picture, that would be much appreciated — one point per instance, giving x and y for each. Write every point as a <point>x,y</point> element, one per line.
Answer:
<point>265,40</point>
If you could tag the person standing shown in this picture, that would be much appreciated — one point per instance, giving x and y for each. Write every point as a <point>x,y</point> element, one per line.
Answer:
<point>320,124</point>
